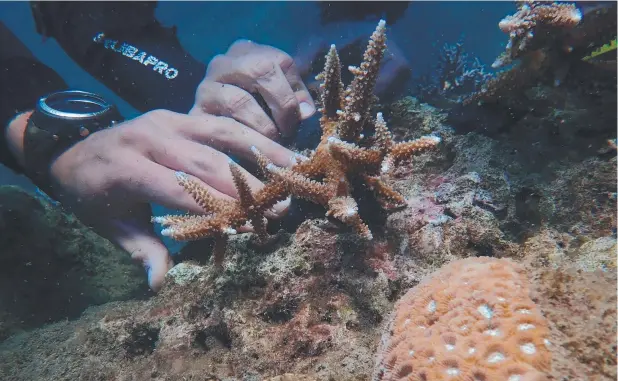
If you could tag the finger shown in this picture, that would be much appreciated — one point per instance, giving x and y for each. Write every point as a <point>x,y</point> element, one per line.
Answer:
<point>288,66</point>
<point>242,47</point>
<point>147,249</point>
<point>146,181</point>
<point>279,96</point>
<point>232,138</point>
<point>273,74</point>
<point>301,92</point>
<point>205,163</point>
<point>212,167</point>
<point>232,101</point>
<point>134,233</point>
<point>263,75</point>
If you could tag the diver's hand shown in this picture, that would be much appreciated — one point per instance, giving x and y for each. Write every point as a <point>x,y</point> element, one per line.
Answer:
<point>248,68</point>
<point>109,179</point>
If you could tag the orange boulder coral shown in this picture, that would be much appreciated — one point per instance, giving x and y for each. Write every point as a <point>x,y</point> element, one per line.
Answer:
<point>471,320</point>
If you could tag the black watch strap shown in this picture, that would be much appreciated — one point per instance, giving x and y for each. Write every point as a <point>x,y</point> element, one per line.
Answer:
<point>40,149</point>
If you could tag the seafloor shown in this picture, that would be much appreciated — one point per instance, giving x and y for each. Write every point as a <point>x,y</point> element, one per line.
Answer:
<point>314,304</point>
<point>534,181</point>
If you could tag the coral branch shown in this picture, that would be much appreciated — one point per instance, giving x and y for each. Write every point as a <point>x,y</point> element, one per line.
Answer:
<point>331,86</point>
<point>299,185</point>
<point>523,27</point>
<point>201,195</point>
<point>247,203</point>
<point>325,177</point>
<point>359,93</point>
<point>547,40</point>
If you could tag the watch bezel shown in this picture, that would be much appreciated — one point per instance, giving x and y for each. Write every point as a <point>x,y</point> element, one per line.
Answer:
<point>45,108</point>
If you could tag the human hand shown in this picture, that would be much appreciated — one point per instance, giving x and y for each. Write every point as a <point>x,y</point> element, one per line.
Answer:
<point>109,179</point>
<point>247,68</point>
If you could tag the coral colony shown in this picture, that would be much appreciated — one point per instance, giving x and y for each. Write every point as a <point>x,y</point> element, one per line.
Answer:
<point>471,320</point>
<point>343,154</point>
<point>544,39</point>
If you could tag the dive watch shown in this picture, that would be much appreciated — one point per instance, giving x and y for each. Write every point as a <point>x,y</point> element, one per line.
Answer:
<point>60,120</point>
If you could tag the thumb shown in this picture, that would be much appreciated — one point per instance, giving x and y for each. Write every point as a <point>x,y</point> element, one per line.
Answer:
<point>146,248</point>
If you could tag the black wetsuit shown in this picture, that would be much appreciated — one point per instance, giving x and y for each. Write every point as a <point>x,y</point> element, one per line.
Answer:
<point>119,43</point>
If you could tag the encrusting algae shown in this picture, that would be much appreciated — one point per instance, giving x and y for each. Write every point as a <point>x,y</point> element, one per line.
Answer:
<point>344,156</point>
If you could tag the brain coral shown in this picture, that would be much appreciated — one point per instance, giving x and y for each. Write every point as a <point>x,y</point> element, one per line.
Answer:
<point>471,320</point>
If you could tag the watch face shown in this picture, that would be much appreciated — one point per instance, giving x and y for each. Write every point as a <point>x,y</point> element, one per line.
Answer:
<point>76,106</point>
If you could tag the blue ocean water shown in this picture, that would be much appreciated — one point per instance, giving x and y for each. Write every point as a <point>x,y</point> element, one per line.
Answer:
<point>209,28</point>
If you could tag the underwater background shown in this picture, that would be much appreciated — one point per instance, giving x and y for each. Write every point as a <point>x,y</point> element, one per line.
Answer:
<point>209,28</point>
<point>206,29</point>
<point>501,265</point>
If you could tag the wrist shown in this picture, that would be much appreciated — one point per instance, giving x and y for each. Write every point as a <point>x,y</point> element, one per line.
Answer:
<point>14,134</point>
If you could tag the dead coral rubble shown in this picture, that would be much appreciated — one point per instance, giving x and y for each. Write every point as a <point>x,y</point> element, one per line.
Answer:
<point>343,157</point>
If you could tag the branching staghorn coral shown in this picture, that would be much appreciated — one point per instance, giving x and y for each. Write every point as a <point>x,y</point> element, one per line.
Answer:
<point>547,38</point>
<point>534,23</point>
<point>343,156</point>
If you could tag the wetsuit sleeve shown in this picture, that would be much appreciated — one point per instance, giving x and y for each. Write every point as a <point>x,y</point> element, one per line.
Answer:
<point>126,48</point>
<point>23,80</point>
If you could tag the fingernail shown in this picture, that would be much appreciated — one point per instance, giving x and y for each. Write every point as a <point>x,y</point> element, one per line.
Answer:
<point>149,273</point>
<point>282,207</point>
<point>306,110</point>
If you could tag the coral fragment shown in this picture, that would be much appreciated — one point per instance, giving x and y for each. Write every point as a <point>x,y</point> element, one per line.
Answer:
<point>343,155</point>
